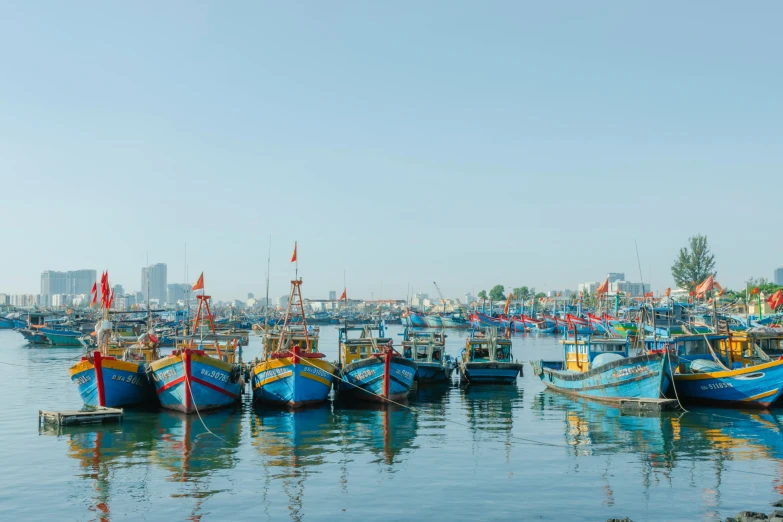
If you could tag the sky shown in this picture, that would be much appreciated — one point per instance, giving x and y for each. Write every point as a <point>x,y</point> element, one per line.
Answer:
<point>400,143</point>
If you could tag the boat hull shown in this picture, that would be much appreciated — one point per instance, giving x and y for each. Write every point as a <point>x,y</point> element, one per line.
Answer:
<point>111,383</point>
<point>416,320</point>
<point>62,338</point>
<point>283,382</point>
<point>490,372</point>
<point>428,372</point>
<point>190,381</point>
<point>642,377</point>
<point>433,321</point>
<point>6,324</point>
<point>364,379</point>
<point>758,386</point>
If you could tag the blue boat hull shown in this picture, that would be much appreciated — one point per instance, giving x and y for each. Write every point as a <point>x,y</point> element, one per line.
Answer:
<point>431,372</point>
<point>753,387</point>
<point>642,377</point>
<point>191,380</point>
<point>112,384</point>
<point>6,324</point>
<point>490,372</point>
<point>433,321</point>
<point>416,320</point>
<point>364,379</point>
<point>62,337</point>
<point>282,382</point>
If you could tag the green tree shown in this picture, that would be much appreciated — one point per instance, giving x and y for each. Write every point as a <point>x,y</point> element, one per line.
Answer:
<point>522,293</point>
<point>496,294</point>
<point>482,294</point>
<point>694,264</point>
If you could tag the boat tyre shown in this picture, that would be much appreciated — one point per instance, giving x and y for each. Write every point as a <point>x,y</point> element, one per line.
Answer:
<point>234,375</point>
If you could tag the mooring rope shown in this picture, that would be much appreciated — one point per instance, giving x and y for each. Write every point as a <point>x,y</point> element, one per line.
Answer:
<point>193,399</point>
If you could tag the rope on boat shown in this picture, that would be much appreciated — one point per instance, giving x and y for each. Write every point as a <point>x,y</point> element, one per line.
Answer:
<point>674,386</point>
<point>416,410</point>
<point>193,399</point>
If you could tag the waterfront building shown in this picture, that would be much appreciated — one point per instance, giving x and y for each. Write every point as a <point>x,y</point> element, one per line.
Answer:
<point>118,290</point>
<point>587,288</point>
<point>282,302</point>
<point>3,299</point>
<point>70,283</point>
<point>778,277</point>
<point>616,276</point>
<point>154,280</point>
<point>332,295</point>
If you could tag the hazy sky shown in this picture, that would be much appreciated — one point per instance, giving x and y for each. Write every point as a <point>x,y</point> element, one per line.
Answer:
<point>470,143</point>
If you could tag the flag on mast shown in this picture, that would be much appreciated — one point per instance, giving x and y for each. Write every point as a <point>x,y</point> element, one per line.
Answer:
<point>200,283</point>
<point>776,300</point>
<point>602,288</point>
<point>293,257</point>
<point>344,296</point>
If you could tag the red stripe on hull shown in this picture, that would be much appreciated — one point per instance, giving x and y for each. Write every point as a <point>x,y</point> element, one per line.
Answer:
<point>98,365</point>
<point>213,387</point>
<point>170,384</point>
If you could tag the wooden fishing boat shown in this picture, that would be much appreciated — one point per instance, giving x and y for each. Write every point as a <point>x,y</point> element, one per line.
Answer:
<point>427,349</point>
<point>293,372</point>
<point>114,375</point>
<point>200,374</point>
<point>416,319</point>
<point>711,372</point>
<point>33,336</point>
<point>62,336</point>
<point>370,368</point>
<point>602,368</point>
<point>487,359</point>
<point>433,321</point>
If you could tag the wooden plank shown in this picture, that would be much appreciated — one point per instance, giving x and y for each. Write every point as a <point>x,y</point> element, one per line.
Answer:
<point>96,416</point>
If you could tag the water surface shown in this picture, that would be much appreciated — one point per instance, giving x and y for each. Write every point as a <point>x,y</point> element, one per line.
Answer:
<point>480,453</point>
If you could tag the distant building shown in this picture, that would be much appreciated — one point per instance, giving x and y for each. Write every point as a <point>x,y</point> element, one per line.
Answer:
<point>140,298</point>
<point>587,288</point>
<point>469,298</point>
<point>250,295</point>
<point>332,295</point>
<point>282,301</point>
<point>119,290</point>
<point>154,280</point>
<point>3,299</point>
<point>176,292</point>
<point>778,278</point>
<point>70,283</point>
<point>629,288</point>
<point>616,276</point>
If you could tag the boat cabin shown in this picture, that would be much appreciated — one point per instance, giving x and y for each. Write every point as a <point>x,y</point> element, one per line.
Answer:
<point>695,352</point>
<point>583,353</point>
<point>223,347</point>
<point>294,335</point>
<point>364,346</point>
<point>487,346</point>
<point>423,346</point>
<point>745,344</point>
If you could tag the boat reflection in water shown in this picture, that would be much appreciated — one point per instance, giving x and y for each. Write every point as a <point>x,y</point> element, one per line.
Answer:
<point>294,444</point>
<point>102,450</point>
<point>490,413</point>
<point>668,441</point>
<point>191,454</point>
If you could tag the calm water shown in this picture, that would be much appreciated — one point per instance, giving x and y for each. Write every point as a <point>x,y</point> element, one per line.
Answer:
<point>485,453</point>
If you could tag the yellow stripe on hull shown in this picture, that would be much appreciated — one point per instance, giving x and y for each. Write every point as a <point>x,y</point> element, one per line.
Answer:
<point>120,365</point>
<point>762,395</point>
<point>730,373</point>
<point>316,378</point>
<point>79,367</point>
<point>274,378</point>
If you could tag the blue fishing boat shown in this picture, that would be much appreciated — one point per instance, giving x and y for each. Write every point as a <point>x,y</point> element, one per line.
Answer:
<point>601,368</point>
<point>370,368</point>
<point>454,321</point>
<point>6,323</point>
<point>62,337</point>
<point>710,372</point>
<point>293,372</point>
<point>416,319</point>
<point>487,359</point>
<point>33,336</point>
<point>433,321</point>
<point>200,374</point>
<point>427,349</point>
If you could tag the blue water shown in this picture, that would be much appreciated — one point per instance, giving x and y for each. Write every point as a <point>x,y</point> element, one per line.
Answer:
<point>482,453</point>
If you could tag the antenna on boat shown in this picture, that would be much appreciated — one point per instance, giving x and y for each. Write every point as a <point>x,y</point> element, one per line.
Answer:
<point>641,278</point>
<point>266,302</point>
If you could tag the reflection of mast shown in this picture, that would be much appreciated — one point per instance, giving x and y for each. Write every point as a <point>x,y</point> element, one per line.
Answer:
<point>100,474</point>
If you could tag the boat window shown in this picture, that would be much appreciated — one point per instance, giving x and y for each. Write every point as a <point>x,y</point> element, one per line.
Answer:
<point>695,347</point>
<point>352,349</point>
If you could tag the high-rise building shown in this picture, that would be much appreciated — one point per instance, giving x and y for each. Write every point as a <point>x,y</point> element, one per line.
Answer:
<point>118,290</point>
<point>616,276</point>
<point>70,283</point>
<point>176,292</point>
<point>332,295</point>
<point>631,289</point>
<point>778,278</point>
<point>153,279</point>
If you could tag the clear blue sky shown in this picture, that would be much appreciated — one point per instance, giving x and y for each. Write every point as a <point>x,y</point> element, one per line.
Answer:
<point>471,143</point>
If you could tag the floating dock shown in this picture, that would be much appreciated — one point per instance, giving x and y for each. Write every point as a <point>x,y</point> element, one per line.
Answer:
<point>76,417</point>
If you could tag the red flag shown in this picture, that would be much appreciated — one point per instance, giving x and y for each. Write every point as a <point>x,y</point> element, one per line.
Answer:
<point>293,257</point>
<point>94,288</point>
<point>344,296</point>
<point>508,300</point>
<point>706,286</point>
<point>603,288</point>
<point>776,300</point>
<point>668,292</point>
<point>200,283</point>
<point>754,291</point>
<point>94,298</point>
<point>111,299</point>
